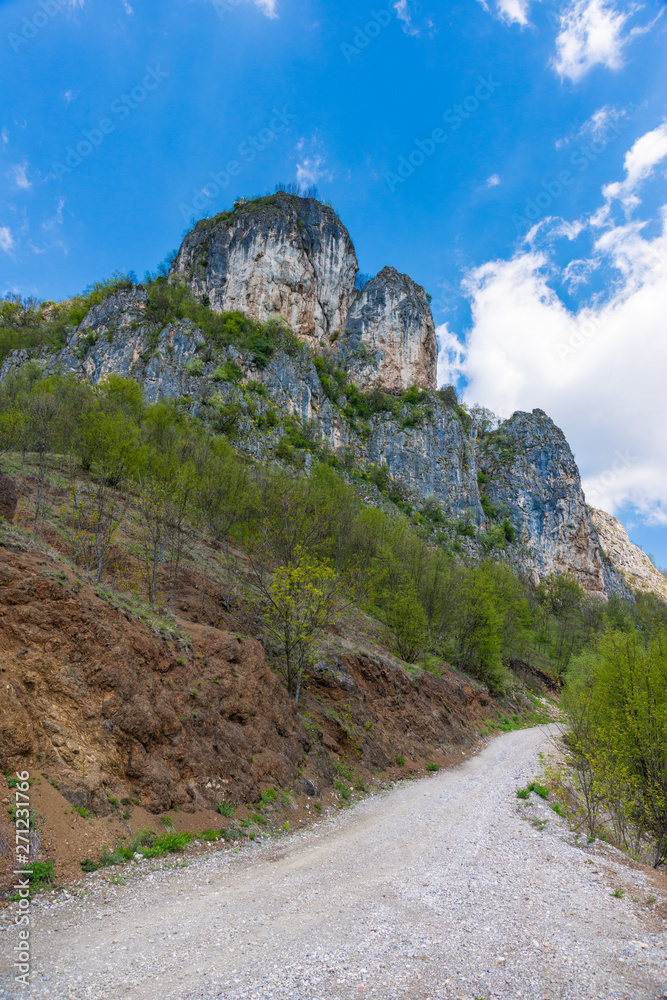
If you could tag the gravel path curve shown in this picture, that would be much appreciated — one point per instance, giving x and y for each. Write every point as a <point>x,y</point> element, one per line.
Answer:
<point>438,888</point>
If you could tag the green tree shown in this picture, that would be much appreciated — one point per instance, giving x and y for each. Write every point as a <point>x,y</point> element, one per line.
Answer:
<point>301,601</point>
<point>406,617</point>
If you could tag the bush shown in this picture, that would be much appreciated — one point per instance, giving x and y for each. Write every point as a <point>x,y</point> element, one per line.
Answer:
<point>40,873</point>
<point>167,843</point>
<point>195,366</point>
<point>229,372</point>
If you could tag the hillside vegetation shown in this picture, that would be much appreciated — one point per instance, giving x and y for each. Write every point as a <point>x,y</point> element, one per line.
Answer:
<point>138,496</point>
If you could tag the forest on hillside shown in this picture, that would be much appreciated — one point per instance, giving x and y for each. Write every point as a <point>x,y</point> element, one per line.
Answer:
<point>315,549</point>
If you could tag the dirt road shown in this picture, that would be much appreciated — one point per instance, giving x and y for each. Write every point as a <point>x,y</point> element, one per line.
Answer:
<point>439,888</point>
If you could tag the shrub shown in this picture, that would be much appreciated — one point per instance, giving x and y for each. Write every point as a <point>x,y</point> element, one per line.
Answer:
<point>109,858</point>
<point>167,843</point>
<point>88,865</point>
<point>195,366</point>
<point>211,835</point>
<point>40,873</point>
<point>231,371</point>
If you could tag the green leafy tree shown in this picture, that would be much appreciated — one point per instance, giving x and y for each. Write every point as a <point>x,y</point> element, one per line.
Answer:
<point>407,619</point>
<point>301,601</point>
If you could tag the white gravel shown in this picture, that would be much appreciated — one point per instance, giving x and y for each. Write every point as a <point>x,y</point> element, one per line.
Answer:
<point>440,888</point>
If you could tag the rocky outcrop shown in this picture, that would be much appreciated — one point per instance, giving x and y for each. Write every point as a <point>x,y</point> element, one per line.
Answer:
<point>634,566</point>
<point>422,454</point>
<point>277,256</point>
<point>529,474</point>
<point>390,337</point>
<point>290,256</point>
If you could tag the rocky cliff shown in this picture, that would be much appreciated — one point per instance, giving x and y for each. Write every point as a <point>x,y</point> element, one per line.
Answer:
<point>528,473</point>
<point>280,255</point>
<point>292,257</point>
<point>514,492</point>
<point>390,336</point>
<point>634,566</point>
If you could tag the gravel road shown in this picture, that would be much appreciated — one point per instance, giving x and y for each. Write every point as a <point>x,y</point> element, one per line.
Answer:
<point>438,888</point>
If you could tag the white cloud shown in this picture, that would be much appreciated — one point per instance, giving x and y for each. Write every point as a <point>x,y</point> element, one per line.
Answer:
<point>591,34</point>
<point>5,137</point>
<point>57,218</point>
<point>6,239</point>
<point>128,10</point>
<point>451,356</point>
<point>600,120</point>
<point>598,370</point>
<point>311,170</point>
<point>596,127</point>
<point>224,7</point>
<point>268,7</point>
<point>493,181</point>
<point>70,95</point>
<point>19,175</point>
<point>311,160</point>
<point>404,14</point>
<point>514,11</point>
<point>511,11</point>
<point>649,150</point>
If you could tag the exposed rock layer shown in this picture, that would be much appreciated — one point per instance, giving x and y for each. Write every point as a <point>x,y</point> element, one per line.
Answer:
<point>390,336</point>
<point>635,567</point>
<point>533,477</point>
<point>283,255</point>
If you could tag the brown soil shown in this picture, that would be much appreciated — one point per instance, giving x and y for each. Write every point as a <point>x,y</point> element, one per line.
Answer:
<point>97,706</point>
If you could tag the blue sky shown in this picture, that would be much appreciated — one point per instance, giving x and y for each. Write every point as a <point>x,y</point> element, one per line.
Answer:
<point>509,155</point>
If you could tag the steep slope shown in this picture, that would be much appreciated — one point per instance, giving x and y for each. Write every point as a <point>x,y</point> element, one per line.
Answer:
<point>528,472</point>
<point>185,714</point>
<point>292,257</point>
<point>634,566</point>
<point>390,336</point>
<point>281,255</point>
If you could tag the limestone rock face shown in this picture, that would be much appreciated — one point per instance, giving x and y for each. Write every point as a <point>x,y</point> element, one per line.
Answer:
<point>635,567</point>
<point>278,256</point>
<point>390,337</point>
<point>533,478</point>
